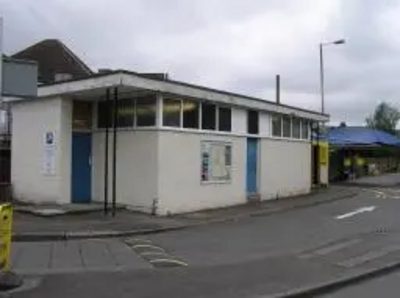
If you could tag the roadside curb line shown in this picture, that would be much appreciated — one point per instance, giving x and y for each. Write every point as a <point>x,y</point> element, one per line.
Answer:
<point>63,236</point>
<point>335,285</point>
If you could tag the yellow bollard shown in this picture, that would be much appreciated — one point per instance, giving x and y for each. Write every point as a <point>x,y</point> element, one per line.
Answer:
<point>6,212</point>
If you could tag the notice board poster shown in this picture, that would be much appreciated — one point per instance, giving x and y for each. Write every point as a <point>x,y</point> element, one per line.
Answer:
<point>49,153</point>
<point>216,161</point>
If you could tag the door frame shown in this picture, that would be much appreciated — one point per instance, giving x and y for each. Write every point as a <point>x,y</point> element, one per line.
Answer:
<point>257,162</point>
<point>90,164</point>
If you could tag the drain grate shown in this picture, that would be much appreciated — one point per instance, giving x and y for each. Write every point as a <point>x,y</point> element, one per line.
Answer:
<point>157,256</point>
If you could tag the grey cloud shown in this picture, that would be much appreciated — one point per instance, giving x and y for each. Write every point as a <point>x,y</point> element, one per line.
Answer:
<point>206,42</point>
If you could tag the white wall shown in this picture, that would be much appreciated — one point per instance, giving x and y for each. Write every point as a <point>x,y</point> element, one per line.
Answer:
<point>180,186</point>
<point>285,168</point>
<point>31,120</point>
<point>136,168</point>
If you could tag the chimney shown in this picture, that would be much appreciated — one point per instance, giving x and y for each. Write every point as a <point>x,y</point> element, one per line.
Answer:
<point>278,89</point>
<point>104,70</point>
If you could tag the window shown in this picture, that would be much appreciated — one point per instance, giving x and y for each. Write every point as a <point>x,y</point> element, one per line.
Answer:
<point>252,122</point>
<point>216,161</point>
<point>146,111</point>
<point>208,116</point>
<point>286,127</point>
<point>296,124</point>
<point>304,130</point>
<point>191,110</point>
<point>104,114</point>
<point>276,126</point>
<point>126,112</point>
<point>81,115</point>
<point>224,119</point>
<point>142,108</point>
<point>171,112</point>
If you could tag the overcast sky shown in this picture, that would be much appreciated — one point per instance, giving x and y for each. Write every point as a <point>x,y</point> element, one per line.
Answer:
<point>235,45</point>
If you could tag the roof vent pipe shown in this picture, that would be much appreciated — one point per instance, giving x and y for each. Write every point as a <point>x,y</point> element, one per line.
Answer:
<point>278,89</point>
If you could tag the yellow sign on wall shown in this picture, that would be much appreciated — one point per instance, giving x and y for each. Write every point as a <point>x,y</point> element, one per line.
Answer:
<point>323,153</point>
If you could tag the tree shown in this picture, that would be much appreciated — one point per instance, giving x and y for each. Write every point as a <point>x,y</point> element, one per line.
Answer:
<point>385,117</point>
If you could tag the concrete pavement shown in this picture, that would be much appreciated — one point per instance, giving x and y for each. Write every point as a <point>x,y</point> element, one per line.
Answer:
<point>74,256</point>
<point>28,227</point>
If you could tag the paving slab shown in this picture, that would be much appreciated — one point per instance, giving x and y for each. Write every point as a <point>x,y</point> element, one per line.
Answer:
<point>36,256</point>
<point>74,256</point>
<point>66,254</point>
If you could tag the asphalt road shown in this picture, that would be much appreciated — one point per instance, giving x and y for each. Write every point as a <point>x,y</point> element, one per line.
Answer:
<point>387,286</point>
<point>248,258</point>
<point>290,232</point>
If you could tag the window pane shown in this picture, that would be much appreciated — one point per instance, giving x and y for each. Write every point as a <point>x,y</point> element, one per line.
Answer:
<point>146,111</point>
<point>171,112</point>
<point>252,122</point>
<point>277,126</point>
<point>224,119</point>
<point>286,126</point>
<point>304,130</point>
<point>103,115</point>
<point>208,116</point>
<point>126,112</point>
<point>81,115</point>
<point>296,128</point>
<point>191,114</point>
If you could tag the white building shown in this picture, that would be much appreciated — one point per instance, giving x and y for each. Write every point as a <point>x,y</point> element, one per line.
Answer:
<point>179,147</point>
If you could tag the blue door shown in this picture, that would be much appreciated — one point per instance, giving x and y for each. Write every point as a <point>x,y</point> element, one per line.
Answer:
<point>81,167</point>
<point>252,161</point>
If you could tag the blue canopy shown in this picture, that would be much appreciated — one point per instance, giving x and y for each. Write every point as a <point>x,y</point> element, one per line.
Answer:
<point>349,136</point>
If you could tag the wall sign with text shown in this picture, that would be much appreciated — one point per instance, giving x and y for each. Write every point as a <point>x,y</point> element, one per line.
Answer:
<point>216,161</point>
<point>49,153</point>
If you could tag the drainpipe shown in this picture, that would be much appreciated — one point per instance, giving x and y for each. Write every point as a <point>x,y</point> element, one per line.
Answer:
<point>106,151</point>
<point>114,168</point>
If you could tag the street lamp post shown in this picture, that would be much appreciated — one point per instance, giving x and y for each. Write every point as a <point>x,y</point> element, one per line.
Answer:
<point>321,68</point>
<point>322,86</point>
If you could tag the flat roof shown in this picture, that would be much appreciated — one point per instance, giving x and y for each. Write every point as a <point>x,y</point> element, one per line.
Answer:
<point>136,81</point>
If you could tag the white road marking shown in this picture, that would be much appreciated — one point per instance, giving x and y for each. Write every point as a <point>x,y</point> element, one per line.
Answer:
<point>355,212</point>
<point>154,253</point>
<point>330,249</point>
<point>133,241</point>
<point>369,256</point>
<point>148,246</point>
<point>379,194</point>
<point>173,261</point>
